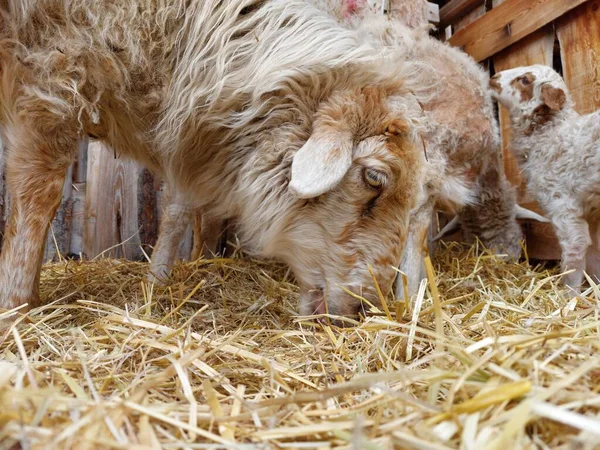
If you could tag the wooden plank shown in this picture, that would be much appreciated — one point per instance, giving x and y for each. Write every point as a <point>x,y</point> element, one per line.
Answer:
<point>78,200</point>
<point>508,23</point>
<point>536,48</point>
<point>455,9</point>
<point>80,164</point>
<point>111,205</point>
<point>147,209</point>
<point>579,37</point>
<point>469,18</point>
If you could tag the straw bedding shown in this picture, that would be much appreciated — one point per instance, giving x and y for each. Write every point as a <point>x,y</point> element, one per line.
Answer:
<point>219,359</point>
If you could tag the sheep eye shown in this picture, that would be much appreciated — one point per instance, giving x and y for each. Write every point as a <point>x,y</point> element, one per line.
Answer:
<point>374,178</point>
<point>524,81</point>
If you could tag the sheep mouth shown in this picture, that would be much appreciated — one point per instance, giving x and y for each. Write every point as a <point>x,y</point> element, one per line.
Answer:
<point>312,302</point>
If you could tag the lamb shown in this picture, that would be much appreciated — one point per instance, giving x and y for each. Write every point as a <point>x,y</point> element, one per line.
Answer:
<point>262,110</point>
<point>558,152</point>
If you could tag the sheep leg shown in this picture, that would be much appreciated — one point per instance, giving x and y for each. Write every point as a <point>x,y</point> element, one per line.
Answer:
<point>207,232</point>
<point>592,258</point>
<point>176,218</point>
<point>574,237</point>
<point>415,250</point>
<point>35,174</point>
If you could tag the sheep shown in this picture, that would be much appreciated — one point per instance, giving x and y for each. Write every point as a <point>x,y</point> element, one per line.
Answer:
<point>464,167</point>
<point>558,152</point>
<point>263,110</point>
<point>466,173</point>
<point>413,13</point>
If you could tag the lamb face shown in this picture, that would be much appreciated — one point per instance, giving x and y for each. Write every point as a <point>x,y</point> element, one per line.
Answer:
<point>529,91</point>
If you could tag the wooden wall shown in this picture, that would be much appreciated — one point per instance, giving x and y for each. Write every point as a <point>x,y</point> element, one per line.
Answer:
<point>112,207</point>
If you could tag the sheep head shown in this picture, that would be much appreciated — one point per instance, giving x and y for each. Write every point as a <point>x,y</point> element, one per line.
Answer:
<point>355,180</point>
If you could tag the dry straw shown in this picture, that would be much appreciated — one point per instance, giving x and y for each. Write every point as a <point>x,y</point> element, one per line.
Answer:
<point>491,355</point>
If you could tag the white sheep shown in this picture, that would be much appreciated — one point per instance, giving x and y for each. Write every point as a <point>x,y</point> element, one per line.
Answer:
<point>558,152</point>
<point>266,111</point>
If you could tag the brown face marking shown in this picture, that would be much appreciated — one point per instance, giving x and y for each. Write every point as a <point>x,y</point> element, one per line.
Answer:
<point>555,98</point>
<point>539,117</point>
<point>495,85</point>
<point>524,84</point>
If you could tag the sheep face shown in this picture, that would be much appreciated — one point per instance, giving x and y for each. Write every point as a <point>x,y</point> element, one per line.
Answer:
<point>356,180</point>
<point>529,91</point>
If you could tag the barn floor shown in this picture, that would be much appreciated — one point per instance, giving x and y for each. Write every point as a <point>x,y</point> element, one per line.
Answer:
<point>219,357</point>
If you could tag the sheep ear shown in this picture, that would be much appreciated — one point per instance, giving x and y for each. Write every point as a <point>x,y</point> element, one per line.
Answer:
<point>451,227</point>
<point>321,163</point>
<point>554,98</point>
<point>527,214</point>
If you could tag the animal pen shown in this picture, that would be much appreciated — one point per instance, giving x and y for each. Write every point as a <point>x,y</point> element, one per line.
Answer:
<point>490,354</point>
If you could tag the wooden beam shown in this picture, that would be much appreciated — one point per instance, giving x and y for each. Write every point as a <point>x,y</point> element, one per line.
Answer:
<point>455,9</point>
<point>507,24</point>
<point>111,205</point>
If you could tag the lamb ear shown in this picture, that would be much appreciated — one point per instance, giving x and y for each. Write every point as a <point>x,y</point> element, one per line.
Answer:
<point>527,214</point>
<point>321,163</point>
<point>553,97</point>
<point>451,227</point>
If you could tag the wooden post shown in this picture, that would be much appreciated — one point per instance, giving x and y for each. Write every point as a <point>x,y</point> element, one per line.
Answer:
<point>78,199</point>
<point>579,38</point>
<point>120,206</point>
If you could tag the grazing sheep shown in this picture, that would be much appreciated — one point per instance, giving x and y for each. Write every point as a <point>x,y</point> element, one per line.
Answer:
<point>262,110</point>
<point>464,171</point>
<point>466,174</point>
<point>558,152</point>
